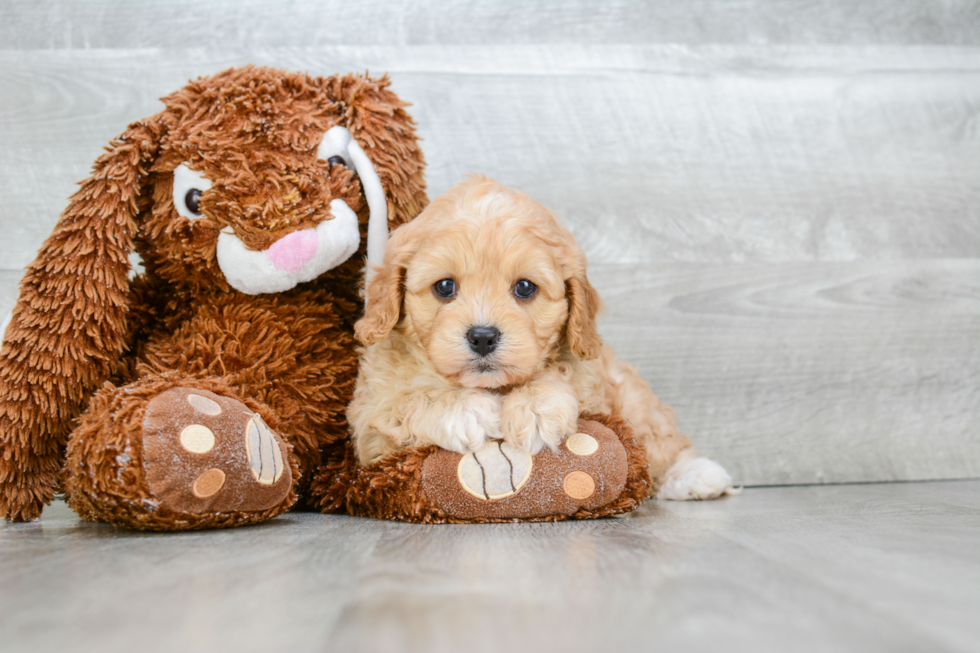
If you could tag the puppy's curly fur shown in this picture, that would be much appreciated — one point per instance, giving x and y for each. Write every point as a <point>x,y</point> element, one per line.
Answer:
<point>482,325</point>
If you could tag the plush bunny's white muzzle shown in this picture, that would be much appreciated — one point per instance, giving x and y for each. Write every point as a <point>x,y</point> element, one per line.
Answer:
<point>293,259</point>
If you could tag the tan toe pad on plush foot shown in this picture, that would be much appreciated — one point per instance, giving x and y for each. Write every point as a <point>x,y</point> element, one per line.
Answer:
<point>206,453</point>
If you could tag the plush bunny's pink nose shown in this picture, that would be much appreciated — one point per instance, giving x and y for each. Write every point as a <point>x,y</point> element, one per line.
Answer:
<point>290,253</point>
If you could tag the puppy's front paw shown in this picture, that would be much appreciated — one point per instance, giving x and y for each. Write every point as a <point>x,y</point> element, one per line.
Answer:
<point>696,478</point>
<point>470,422</point>
<point>533,421</point>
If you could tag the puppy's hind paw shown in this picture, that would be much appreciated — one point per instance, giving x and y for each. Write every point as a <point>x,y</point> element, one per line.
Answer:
<point>467,425</point>
<point>697,479</point>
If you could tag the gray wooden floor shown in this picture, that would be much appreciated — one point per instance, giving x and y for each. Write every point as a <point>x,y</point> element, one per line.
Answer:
<point>863,568</point>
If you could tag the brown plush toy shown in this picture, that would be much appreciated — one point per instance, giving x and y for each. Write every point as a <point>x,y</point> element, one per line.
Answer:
<point>601,470</point>
<point>199,393</point>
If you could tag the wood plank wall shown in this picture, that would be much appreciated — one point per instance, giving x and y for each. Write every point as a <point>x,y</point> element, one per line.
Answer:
<point>780,199</point>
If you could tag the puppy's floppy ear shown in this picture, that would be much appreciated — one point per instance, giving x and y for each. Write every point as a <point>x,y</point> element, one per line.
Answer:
<point>68,327</point>
<point>386,290</point>
<point>584,304</point>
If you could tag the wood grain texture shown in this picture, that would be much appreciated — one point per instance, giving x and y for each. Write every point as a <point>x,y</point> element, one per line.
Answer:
<point>839,568</point>
<point>731,154</point>
<point>778,199</point>
<point>803,372</point>
<point>810,372</point>
<point>56,24</point>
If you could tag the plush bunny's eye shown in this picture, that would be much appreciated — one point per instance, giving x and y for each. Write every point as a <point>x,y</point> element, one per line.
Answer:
<point>189,187</point>
<point>335,148</point>
<point>193,201</point>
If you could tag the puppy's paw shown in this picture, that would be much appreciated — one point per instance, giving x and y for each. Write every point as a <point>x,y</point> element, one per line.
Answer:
<point>470,422</point>
<point>533,421</point>
<point>696,478</point>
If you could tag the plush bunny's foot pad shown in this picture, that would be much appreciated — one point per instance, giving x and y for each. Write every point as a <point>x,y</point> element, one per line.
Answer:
<point>600,470</point>
<point>198,459</point>
<point>206,453</point>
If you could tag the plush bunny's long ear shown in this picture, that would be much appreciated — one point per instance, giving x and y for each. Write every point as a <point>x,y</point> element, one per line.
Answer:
<point>386,133</point>
<point>68,328</point>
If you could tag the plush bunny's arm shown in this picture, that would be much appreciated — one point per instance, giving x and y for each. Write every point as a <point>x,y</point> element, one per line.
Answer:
<point>68,327</point>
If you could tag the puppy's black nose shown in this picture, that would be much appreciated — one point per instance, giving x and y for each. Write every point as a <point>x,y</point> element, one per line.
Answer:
<point>483,340</point>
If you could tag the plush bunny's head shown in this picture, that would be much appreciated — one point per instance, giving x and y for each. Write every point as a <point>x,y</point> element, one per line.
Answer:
<point>253,179</point>
<point>259,180</point>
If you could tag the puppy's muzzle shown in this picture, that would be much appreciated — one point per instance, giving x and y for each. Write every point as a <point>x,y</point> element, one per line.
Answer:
<point>483,340</point>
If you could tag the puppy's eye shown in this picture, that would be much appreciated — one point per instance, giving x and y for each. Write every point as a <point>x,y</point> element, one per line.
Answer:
<point>193,201</point>
<point>525,289</point>
<point>445,288</point>
<point>336,160</point>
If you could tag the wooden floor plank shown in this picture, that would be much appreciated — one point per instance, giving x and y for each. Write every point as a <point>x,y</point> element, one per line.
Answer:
<point>810,373</point>
<point>843,568</point>
<point>785,230</point>
<point>650,154</point>
<point>44,24</point>
<point>803,372</point>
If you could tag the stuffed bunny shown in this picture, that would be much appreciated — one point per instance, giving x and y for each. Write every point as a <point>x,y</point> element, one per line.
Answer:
<point>200,393</point>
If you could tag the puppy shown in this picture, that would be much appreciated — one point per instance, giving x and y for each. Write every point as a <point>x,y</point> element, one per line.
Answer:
<point>481,324</point>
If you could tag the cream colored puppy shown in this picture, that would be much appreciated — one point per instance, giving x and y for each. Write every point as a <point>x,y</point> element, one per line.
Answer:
<point>481,325</point>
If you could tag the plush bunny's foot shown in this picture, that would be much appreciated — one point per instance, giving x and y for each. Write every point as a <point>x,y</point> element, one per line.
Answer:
<point>600,470</point>
<point>206,453</point>
<point>176,458</point>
